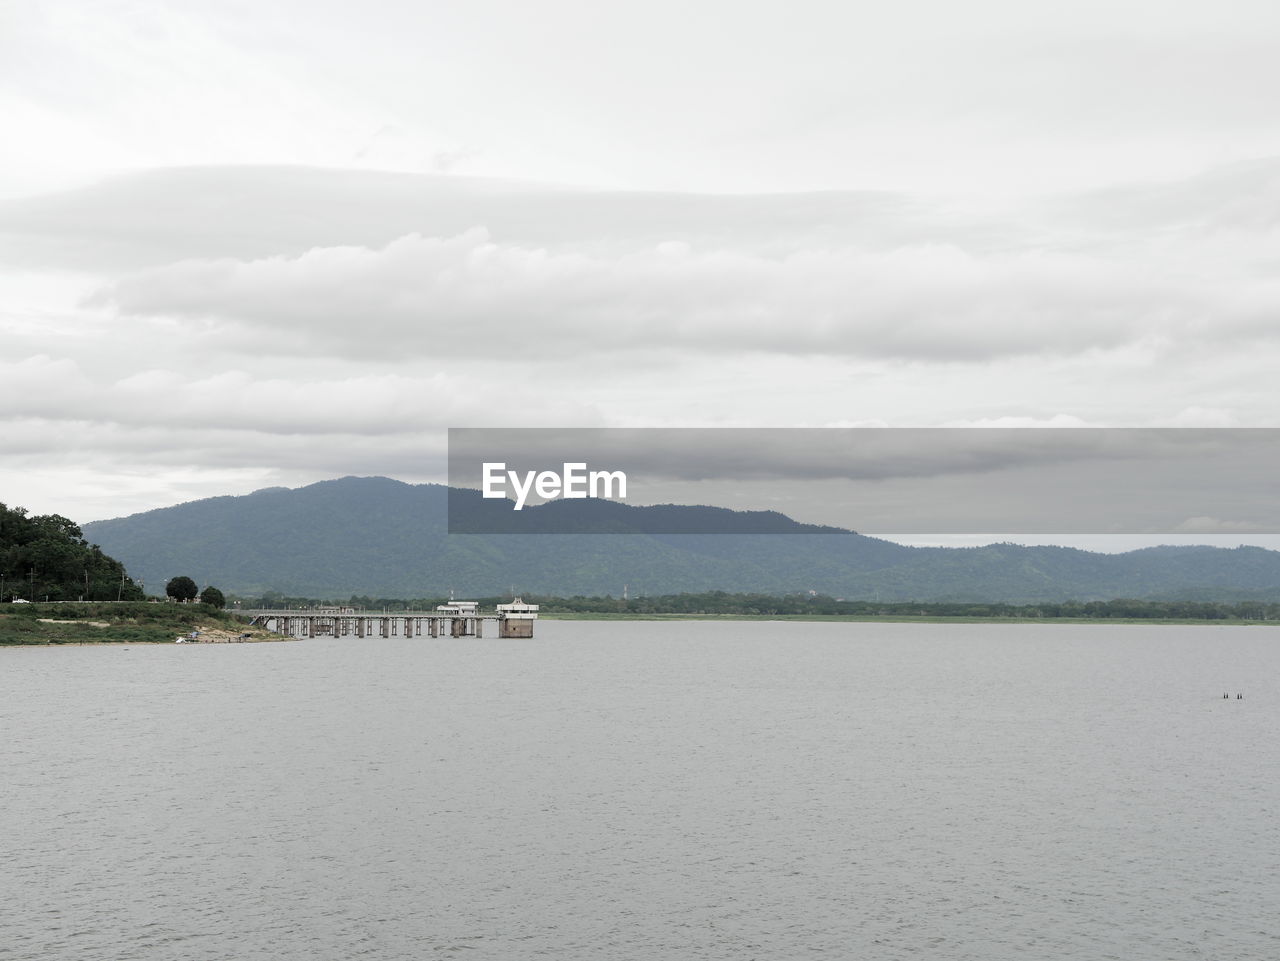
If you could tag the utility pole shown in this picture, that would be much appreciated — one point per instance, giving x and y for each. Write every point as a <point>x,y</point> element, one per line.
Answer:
<point>120,589</point>
<point>32,572</point>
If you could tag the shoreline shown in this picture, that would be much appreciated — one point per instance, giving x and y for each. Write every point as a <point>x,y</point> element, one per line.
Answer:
<point>132,622</point>
<point>106,642</point>
<point>142,644</point>
<point>904,619</point>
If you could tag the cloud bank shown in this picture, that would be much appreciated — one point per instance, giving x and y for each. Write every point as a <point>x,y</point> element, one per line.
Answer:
<point>473,303</point>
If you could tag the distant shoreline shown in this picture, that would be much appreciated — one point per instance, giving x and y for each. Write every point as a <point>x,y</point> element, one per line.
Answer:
<point>905,619</point>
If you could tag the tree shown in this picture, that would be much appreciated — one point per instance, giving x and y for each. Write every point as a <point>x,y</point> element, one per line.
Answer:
<point>49,556</point>
<point>181,588</point>
<point>213,597</point>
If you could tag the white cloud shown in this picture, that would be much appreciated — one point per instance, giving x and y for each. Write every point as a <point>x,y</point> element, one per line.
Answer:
<point>372,405</point>
<point>929,301</point>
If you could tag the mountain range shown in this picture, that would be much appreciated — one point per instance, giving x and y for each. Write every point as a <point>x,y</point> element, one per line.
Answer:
<point>384,538</point>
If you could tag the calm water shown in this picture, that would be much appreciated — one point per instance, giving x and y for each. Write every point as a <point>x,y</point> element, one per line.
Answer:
<point>643,790</point>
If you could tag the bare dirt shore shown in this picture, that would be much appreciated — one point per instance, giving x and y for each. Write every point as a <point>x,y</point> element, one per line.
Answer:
<point>222,635</point>
<point>205,635</point>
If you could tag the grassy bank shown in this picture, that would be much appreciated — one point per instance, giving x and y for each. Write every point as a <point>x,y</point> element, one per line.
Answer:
<point>129,622</point>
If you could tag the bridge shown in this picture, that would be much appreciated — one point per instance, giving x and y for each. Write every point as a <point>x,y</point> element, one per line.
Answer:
<point>455,619</point>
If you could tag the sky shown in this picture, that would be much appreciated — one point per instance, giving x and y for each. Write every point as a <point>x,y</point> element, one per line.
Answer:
<point>247,245</point>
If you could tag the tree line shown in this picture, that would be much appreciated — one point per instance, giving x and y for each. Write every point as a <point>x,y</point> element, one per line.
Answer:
<point>722,602</point>
<point>184,590</point>
<point>46,558</point>
<point>798,605</point>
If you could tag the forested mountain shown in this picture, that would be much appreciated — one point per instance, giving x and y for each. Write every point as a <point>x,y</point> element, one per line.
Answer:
<point>47,557</point>
<point>384,538</point>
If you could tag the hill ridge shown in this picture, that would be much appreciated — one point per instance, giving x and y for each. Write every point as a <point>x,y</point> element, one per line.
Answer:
<point>378,536</point>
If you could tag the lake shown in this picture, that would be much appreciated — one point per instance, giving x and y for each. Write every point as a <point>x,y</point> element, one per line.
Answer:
<point>640,790</point>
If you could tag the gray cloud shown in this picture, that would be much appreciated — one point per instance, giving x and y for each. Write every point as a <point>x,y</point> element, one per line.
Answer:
<point>294,400</point>
<point>313,262</point>
<point>251,212</point>
<point>929,301</point>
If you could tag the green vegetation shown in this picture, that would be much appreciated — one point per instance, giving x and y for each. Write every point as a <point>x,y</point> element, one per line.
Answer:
<point>135,621</point>
<point>47,558</point>
<point>806,605</point>
<point>213,597</point>
<point>181,588</point>
<point>817,607</point>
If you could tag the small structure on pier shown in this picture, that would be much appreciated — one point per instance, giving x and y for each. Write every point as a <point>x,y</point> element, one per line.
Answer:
<point>464,618</point>
<point>516,619</point>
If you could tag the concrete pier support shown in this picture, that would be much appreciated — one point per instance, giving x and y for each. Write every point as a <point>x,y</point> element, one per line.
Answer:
<point>459,619</point>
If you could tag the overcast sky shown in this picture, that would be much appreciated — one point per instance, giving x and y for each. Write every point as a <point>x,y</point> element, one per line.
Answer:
<point>245,245</point>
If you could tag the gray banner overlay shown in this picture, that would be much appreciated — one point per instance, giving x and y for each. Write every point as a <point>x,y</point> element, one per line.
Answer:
<point>874,481</point>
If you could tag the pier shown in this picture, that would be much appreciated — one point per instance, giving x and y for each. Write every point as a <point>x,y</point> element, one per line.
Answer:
<point>455,619</point>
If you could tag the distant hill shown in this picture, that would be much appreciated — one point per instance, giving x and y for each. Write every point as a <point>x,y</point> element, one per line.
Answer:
<point>383,538</point>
